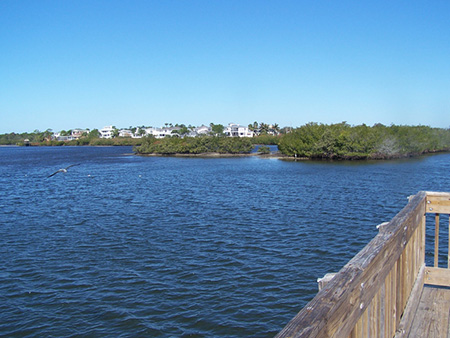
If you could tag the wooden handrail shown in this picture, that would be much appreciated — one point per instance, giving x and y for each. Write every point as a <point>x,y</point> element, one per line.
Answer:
<point>367,298</point>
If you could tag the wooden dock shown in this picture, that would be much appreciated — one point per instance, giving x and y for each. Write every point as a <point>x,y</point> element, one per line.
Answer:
<point>432,315</point>
<point>387,290</point>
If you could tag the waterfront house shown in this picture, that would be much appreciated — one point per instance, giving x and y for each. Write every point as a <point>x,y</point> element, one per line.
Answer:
<point>237,130</point>
<point>77,133</point>
<point>161,132</point>
<point>64,138</point>
<point>125,133</point>
<point>202,130</point>
<point>106,132</point>
<point>232,130</point>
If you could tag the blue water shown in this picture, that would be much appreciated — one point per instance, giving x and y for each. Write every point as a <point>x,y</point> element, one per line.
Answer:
<point>128,246</point>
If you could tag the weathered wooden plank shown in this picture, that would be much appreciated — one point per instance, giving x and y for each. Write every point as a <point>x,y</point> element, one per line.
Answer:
<point>394,312</point>
<point>374,315</point>
<point>411,271</point>
<point>387,302</point>
<point>337,308</point>
<point>365,323</point>
<point>437,276</point>
<point>399,290</point>
<point>403,277</point>
<point>407,275</point>
<point>382,309</point>
<point>438,203</point>
<point>422,241</point>
<point>436,241</point>
<point>357,330</point>
<point>432,316</point>
<point>389,307</point>
<point>411,306</point>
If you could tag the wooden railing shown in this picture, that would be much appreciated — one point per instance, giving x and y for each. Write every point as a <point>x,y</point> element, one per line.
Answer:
<point>377,292</point>
<point>438,204</point>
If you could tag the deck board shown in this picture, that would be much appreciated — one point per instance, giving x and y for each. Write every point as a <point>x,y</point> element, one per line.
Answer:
<point>432,315</point>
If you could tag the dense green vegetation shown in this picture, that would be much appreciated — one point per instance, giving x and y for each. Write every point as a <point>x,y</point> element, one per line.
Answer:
<point>86,141</point>
<point>264,150</point>
<point>34,137</point>
<point>342,141</point>
<point>313,140</point>
<point>118,141</point>
<point>266,139</point>
<point>38,138</point>
<point>195,145</point>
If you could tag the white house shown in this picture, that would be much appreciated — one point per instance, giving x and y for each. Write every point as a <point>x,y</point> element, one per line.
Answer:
<point>236,130</point>
<point>139,133</point>
<point>125,133</point>
<point>106,132</point>
<point>232,130</point>
<point>202,130</point>
<point>59,137</point>
<point>77,133</point>
<point>161,132</point>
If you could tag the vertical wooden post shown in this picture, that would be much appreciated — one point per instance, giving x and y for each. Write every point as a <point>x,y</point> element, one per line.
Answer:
<point>448,253</point>
<point>423,240</point>
<point>436,242</point>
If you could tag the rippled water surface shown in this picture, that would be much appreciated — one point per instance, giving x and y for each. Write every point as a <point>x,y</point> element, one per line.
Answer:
<point>127,246</point>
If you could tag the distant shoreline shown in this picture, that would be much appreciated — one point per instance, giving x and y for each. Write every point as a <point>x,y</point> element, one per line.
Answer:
<point>280,156</point>
<point>216,155</point>
<point>274,155</point>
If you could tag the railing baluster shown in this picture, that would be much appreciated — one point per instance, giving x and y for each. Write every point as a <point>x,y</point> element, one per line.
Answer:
<point>381,297</point>
<point>436,242</point>
<point>448,240</point>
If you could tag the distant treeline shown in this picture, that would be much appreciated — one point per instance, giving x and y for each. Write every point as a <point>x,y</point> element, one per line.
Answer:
<point>312,140</point>
<point>195,145</point>
<point>119,141</point>
<point>38,138</point>
<point>342,141</point>
<point>18,139</point>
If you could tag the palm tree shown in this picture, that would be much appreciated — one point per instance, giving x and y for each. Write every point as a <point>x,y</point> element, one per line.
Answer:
<point>254,127</point>
<point>115,132</point>
<point>276,128</point>
<point>263,128</point>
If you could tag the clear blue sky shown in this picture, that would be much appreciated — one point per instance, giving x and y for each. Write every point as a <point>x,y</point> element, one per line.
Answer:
<point>87,64</point>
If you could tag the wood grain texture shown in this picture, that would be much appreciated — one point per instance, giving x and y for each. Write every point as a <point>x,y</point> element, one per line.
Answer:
<point>338,307</point>
<point>409,313</point>
<point>438,202</point>
<point>437,276</point>
<point>432,316</point>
